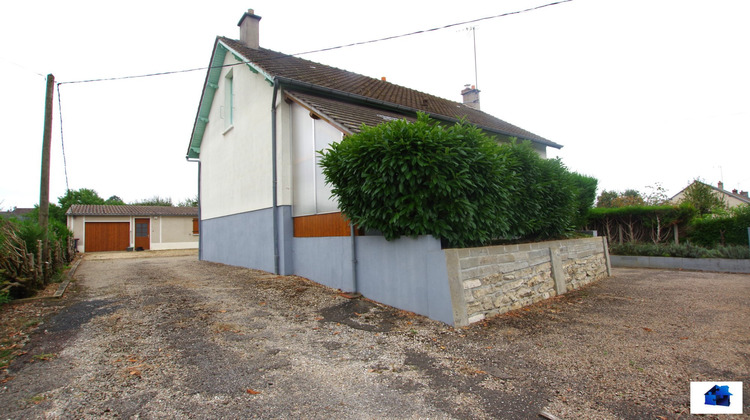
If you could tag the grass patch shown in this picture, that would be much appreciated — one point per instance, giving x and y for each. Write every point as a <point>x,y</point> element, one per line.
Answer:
<point>6,356</point>
<point>44,356</point>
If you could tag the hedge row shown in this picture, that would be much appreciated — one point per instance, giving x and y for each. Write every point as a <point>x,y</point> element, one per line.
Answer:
<point>455,183</point>
<point>730,229</point>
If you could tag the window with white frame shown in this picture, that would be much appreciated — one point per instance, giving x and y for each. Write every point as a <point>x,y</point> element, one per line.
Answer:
<point>228,100</point>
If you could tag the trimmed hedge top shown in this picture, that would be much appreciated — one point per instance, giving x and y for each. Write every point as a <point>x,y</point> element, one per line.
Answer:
<point>455,183</point>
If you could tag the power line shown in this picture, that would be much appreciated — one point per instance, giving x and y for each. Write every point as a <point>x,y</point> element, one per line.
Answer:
<point>435,29</point>
<point>106,79</point>
<point>62,142</point>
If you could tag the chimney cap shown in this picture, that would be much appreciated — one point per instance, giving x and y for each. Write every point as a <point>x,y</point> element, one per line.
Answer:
<point>249,13</point>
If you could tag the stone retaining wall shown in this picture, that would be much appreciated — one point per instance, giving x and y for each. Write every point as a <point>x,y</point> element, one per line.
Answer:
<point>491,280</point>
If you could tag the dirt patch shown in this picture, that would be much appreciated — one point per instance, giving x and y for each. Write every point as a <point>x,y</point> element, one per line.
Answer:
<point>169,336</point>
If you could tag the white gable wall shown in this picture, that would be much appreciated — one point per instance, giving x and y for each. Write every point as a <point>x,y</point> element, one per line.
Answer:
<point>236,162</point>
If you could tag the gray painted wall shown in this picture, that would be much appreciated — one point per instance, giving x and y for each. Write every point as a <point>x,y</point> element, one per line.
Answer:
<point>408,273</point>
<point>327,261</point>
<point>244,240</point>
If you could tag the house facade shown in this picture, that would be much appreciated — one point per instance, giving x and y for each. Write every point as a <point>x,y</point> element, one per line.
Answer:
<point>99,228</point>
<point>733,198</point>
<point>264,202</point>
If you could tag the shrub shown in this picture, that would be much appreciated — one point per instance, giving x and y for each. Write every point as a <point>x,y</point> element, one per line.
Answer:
<point>729,229</point>
<point>684,250</point>
<point>455,183</point>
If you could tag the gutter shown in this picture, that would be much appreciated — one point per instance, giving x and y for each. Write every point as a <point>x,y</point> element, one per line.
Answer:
<point>200,220</point>
<point>276,85</point>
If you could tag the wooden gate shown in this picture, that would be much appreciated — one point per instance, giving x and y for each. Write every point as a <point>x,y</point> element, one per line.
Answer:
<point>107,236</point>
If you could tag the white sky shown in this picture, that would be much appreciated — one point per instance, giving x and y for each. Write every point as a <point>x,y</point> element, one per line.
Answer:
<point>638,91</point>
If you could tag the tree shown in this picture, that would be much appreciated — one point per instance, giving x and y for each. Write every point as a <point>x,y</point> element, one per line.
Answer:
<point>702,197</point>
<point>189,202</point>
<point>607,199</point>
<point>657,195</point>
<point>115,201</point>
<point>155,201</point>
<point>611,199</point>
<point>81,196</point>
<point>630,197</point>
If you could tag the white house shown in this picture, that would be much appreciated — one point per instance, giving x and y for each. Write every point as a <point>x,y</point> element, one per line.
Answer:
<point>263,199</point>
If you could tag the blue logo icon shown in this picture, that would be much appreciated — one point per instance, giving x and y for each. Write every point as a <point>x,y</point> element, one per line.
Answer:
<point>718,395</point>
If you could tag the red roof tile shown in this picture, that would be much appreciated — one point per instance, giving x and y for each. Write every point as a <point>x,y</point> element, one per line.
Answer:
<point>104,210</point>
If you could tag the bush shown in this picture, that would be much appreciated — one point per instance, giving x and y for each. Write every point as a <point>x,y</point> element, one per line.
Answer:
<point>455,183</point>
<point>730,229</point>
<point>685,250</point>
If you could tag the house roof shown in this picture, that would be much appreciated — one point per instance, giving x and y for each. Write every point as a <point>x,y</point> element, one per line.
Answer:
<point>17,212</point>
<point>348,99</point>
<point>105,210</point>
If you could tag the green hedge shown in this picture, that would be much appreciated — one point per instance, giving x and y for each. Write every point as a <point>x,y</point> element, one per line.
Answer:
<point>639,223</point>
<point>455,183</point>
<point>685,250</point>
<point>730,229</point>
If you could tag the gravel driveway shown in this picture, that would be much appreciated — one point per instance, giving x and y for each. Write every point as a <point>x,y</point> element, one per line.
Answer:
<point>165,336</point>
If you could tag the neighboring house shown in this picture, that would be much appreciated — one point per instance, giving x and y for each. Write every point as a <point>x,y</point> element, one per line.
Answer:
<point>732,198</point>
<point>264,202</point>
<point>16,213</point>
<point>120,228</point>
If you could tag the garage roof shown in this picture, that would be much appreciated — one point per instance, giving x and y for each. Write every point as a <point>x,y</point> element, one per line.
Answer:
<point>104,210</point>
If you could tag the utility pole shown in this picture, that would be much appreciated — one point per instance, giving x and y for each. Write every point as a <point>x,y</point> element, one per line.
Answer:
<point>44,186</point>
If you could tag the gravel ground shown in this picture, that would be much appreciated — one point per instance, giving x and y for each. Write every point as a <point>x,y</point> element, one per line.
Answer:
<point>161,335</point>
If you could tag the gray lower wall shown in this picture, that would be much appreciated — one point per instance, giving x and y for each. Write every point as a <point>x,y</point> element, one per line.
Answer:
<point>407,273</point>
<point>246,239</point>
<point>698,264</point>
<point>455,286</point>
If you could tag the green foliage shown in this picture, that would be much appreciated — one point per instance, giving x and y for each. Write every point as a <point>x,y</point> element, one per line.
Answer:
<point>683,250</point>
<point>154,201</point>
<point>4,297</point>
<point>702,197</point>
<point>114,201</point>
<point>727,229</point>
<point>189,202</point>
<point>610,199</point>
<point>639,223</point>
<point>455,183</point>
<point>82,196</point>
<point>585,197</point>
<point>30,232</point>
<point>543,193</point>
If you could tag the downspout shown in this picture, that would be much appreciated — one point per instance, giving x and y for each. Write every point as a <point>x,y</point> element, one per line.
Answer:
<point>275,181</point>
<point>200,221</point>
<point>354,258</point>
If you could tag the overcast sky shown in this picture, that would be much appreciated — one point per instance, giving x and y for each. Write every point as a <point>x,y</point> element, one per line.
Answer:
<point>637,91</point>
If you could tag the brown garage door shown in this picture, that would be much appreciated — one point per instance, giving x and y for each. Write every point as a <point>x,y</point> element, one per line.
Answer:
<point>109,236</point>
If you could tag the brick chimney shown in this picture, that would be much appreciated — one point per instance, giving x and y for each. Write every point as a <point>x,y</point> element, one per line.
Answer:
<point>249,28</point>
<point>471,96</point>
<point>744,194</point>
<point>721,185</point>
